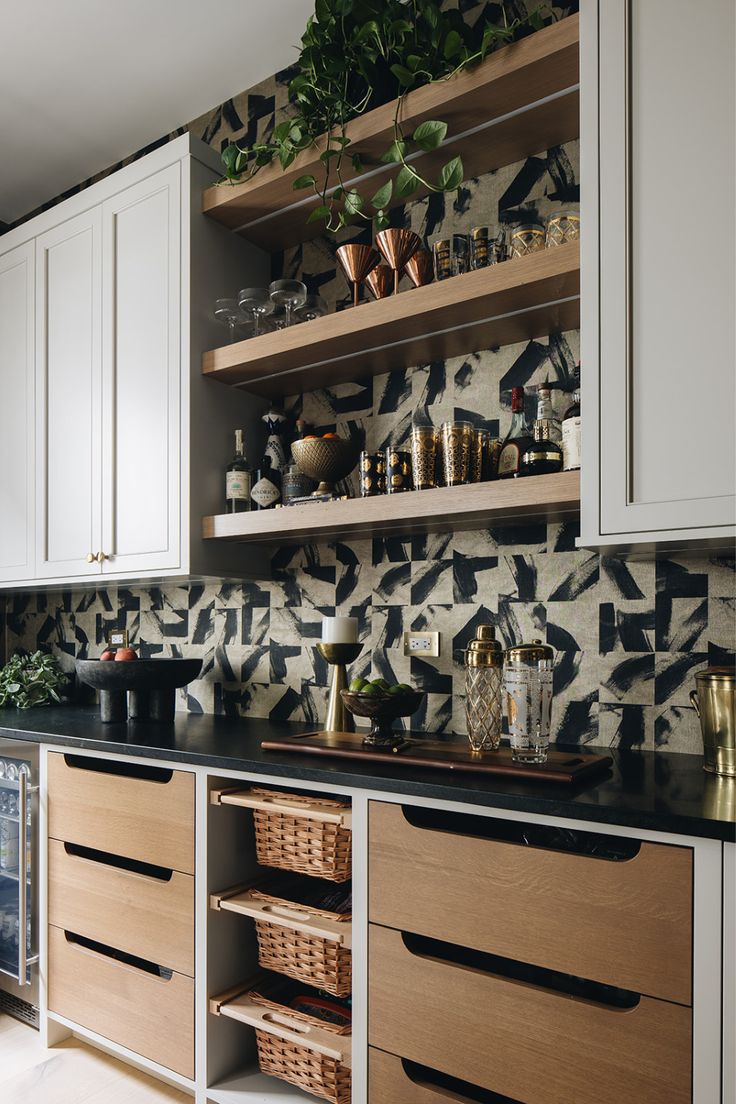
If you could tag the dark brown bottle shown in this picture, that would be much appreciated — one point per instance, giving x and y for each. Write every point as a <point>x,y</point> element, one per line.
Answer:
<point>517,440</point>
<point>543,456</point>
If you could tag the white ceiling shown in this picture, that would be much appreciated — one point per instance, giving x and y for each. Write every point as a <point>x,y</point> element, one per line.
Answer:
<point>85,83</point>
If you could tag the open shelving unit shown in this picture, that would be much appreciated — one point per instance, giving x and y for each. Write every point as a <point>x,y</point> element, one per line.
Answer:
<point>444,509</point>
<point>518,101</point>
<point>515,301</point>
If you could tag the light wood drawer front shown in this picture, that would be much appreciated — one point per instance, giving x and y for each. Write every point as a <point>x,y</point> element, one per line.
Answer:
<point>624,923</point>
<point>389,1083</point>
<point>149,1015</point>
<point>530,1043</point>
<point>136,817</point>
<point>145,916</point>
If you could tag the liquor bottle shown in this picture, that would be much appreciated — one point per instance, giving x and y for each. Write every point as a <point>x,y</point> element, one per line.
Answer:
<point>266,490</point>
<point>275,422</point>
<point>545,411</point>
<point>517,439</point>
<point>237,479</point>
<point>571,435</point>
<point>543,456</point>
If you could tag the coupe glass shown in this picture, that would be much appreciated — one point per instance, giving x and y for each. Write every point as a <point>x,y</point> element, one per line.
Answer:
<point>257,303</point>
<point>229,313</point>
<point>314,307</point>
<point>289,294</point>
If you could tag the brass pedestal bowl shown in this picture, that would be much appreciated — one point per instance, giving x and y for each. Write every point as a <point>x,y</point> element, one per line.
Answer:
<point>326,460</point>
<point>382,710</point>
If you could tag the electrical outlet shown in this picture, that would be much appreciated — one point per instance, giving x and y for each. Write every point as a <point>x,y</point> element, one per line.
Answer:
<point>117,638</point>
<point>421,643</point>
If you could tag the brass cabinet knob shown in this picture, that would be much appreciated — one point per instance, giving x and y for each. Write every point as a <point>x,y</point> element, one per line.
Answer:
<point>102,556</point>
<point>91,557</point>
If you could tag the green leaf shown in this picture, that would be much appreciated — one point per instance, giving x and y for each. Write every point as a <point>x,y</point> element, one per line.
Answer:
<point>381,221</point>
<point>353,202</point>
<point>357,163</point>
<point>395,153</point>
<point>451,176</point>
<point>430,134</point>
<point>403,75</point>
<point>306,181</point>
<point>453,45</point>
<point>406,182</point>
<point>382,197</point>
<point>286,156</point>
<point>319,214</point>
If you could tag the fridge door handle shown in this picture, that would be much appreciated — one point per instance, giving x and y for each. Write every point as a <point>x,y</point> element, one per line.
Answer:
<point>24,796</point>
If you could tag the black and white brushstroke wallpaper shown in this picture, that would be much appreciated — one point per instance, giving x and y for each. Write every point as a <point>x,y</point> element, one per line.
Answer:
<point>628,635</point>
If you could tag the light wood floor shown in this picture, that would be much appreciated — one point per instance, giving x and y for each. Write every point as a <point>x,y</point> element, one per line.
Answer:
<point>71,1073</point>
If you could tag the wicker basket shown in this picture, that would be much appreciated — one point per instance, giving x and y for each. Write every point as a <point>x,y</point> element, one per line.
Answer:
<point>297,1063</point>
<point>303,834</point>
<point>306,955</point>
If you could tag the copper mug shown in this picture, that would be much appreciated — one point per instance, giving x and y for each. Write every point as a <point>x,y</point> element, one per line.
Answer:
<point>715,703</point>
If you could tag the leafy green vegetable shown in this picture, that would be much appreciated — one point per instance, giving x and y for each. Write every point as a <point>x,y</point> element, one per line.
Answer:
<point>28,680</point>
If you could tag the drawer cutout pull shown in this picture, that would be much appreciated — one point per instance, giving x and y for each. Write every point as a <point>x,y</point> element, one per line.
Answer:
<point>619,1000</point>
<point>462,1092</point>
<point>105,858</point>
<point>162,775</point>
<point>594,845</point>
<point>101,950</point>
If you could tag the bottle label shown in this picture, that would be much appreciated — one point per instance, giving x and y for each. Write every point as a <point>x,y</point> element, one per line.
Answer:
<point>237,484</point>
<point>275,449</point>
<point>265,493</point>
<point>508,461</point>
<point>571,443</point>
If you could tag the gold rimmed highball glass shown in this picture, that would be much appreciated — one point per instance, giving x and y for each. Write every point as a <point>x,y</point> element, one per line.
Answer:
<point>424,448</point>
<point>457,447</point>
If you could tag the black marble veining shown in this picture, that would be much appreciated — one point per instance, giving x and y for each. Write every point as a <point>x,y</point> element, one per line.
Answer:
<point>659,791</point>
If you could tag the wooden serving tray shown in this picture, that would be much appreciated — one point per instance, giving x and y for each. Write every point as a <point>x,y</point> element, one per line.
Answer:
<point>566,767</point>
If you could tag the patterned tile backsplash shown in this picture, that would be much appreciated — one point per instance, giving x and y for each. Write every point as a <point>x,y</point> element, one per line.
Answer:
<point>628,634</point>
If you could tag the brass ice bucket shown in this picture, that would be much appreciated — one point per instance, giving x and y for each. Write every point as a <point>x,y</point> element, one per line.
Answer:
<point>715,703</point>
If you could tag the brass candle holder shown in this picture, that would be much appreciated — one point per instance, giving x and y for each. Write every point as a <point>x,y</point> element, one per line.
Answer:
<point>337,655</point>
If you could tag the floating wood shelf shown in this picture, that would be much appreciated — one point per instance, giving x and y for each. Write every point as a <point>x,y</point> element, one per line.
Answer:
<point>515,301</point>
<point>445,509</point>
<point>520,100</point>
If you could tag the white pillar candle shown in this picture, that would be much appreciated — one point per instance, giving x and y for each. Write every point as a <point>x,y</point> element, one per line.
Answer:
<point>339,630</point>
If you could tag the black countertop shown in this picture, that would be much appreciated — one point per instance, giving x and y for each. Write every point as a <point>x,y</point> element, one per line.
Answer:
<point>660,791</point>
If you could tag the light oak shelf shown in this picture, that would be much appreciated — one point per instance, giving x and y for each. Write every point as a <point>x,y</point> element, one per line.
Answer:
<point>522,99</point>
<point>515,301</point>
<point>444,509</point>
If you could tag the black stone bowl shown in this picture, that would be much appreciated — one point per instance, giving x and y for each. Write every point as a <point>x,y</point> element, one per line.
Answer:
<point>382,710</point>
<point>151,683</point>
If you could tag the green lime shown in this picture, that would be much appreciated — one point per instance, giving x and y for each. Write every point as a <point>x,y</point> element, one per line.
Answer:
<point>395,690</point>
<point>357,685</point>
<point>404,688</point>
<point>380,683</point>
<point>372,689</point>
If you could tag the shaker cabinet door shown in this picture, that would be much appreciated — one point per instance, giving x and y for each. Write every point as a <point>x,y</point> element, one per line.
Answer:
<point>658,148</point>
<point>141,439</point>
<point>16,404</point>
<point>68,394</point>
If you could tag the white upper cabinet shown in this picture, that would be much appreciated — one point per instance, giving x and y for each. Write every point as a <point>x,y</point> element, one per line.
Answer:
<point>658,152</point>
<point>69,390</point>
<point>141,360</point>
<point>113,444</point>
<point>16,409</point>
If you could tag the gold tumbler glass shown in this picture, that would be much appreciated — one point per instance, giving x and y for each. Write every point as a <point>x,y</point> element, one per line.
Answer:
<point>424,448</point>
<point>457,447</point>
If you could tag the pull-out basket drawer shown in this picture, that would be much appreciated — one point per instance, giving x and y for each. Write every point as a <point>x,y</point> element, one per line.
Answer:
<point>149,1011</point>
<point>141,812</point>
<point>528,1041</point>
<point>145,910</point>
<point>623,920</point>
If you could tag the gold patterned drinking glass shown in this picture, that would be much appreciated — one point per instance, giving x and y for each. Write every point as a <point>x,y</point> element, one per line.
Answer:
<point>562,228</point>
<point>457,447</point>
<point>424,442</point>
<point>480,444</point>
<point>527,238</point>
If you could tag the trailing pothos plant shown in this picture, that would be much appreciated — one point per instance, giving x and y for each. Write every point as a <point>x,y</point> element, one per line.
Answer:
<point>356,55</point>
